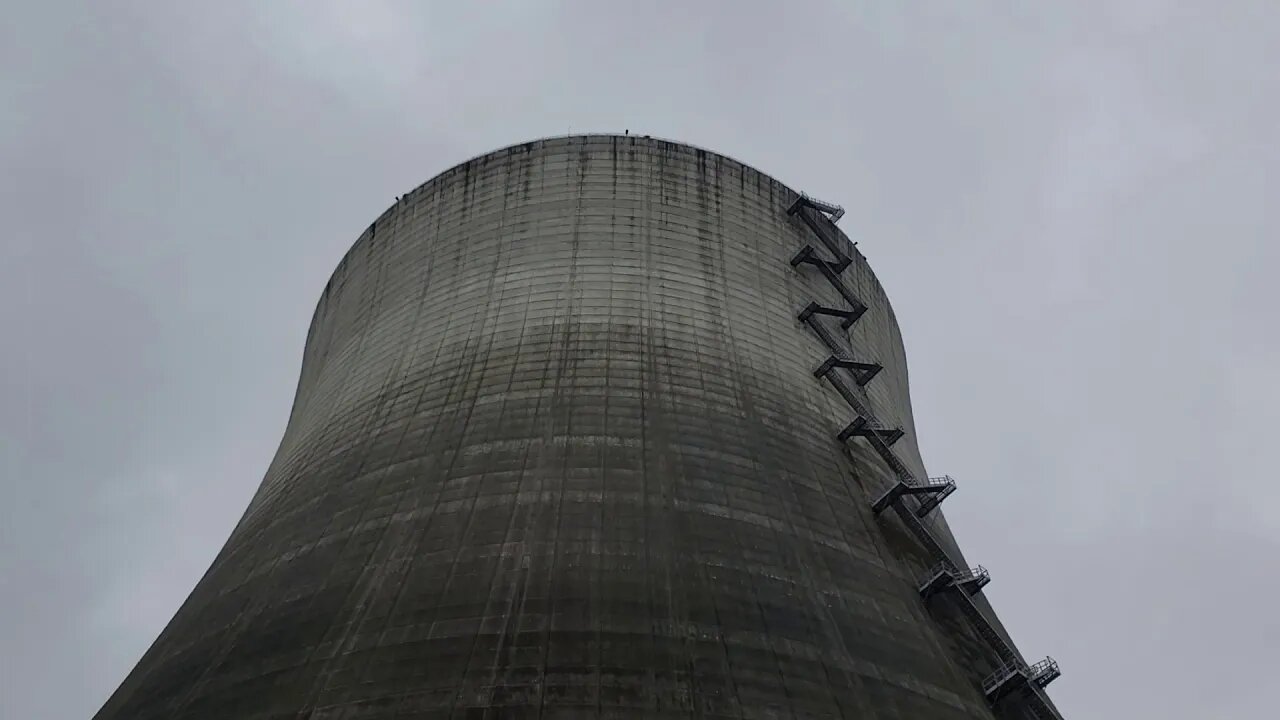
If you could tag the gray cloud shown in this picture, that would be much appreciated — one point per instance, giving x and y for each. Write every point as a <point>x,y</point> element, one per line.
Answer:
<point>1068,206</point>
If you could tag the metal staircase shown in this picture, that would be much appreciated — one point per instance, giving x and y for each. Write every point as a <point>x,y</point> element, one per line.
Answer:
<point>862,373</point>
<point>867,427</point>
<point>944,576</point>
<point>930,492</point>
<point>847,317</point>
<point>813,212</point>
<point>1013,679</point>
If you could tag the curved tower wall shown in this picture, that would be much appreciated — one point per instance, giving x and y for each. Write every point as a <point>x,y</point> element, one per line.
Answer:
<point>558,448</point>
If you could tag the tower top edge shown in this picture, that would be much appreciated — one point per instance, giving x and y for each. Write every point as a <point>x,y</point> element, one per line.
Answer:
<point>557,142</point>
<point>550,141</point>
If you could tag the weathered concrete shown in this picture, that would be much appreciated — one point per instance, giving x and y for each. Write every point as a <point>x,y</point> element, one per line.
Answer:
<point>557,451</point>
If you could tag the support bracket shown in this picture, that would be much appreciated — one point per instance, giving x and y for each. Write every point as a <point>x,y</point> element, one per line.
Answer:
<point>847,317</point>
<point>862,427</point>
<point>1011,675</point>
<point>862,372</point>
<point>931,492</point>
<point>833,212</point>
<point>944,576</point>
<point>829,270</point>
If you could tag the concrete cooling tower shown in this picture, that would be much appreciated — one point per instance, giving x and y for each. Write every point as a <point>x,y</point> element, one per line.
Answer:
<point>595,427</point>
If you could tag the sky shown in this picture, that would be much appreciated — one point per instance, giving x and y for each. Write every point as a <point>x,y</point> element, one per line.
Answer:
<point>1068,204</point>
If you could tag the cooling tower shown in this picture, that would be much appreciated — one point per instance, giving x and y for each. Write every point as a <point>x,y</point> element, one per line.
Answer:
<point>596,426</point>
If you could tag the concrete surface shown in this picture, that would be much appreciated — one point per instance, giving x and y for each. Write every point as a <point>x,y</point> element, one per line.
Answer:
<point>557,451</point>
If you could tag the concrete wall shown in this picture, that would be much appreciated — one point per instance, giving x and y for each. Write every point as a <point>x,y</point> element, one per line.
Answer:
<point>557,451</point>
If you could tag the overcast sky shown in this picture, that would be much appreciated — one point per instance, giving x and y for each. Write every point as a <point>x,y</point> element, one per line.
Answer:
<point>1072,209</point>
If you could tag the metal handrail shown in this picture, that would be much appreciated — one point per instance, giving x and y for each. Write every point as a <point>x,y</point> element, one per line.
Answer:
<point>939,481</point>
<point>1033,673</point>
<point>975,573</point>
<point>1003,672</point>
<point>1046,666</point>
<point>834,210</point>
<point>957,575</point>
